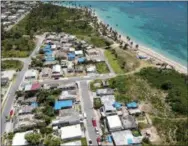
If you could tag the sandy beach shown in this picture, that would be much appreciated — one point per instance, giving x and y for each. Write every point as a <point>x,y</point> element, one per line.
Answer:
<point>150,53</point>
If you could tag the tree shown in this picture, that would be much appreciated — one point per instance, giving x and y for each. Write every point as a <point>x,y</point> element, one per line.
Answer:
<point>167,85</point>
<point>52,141</point>
<point>33,138</point>
<point>46,130</point>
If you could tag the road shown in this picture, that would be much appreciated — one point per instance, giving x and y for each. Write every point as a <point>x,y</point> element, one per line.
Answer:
<point>17,21</point>
<point>88,109</point>
<point>11,93</point>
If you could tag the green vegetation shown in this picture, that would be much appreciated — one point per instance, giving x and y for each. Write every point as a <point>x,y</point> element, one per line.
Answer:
<point>33,138</point>
<point>175,130</point>
<point>102,67</point>
<point>93,86</point>
<point>113,62</point>
<point>136,133</point>
<point>97,103</point>
<point>84,142</point>
<point>11,64</point>
<point>99,42</point>
<point>51,140</point>
<point>174,83</point>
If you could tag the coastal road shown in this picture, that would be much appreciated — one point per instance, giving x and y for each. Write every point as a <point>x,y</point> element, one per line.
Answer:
<point>11,93</point>
<point>88,109</point>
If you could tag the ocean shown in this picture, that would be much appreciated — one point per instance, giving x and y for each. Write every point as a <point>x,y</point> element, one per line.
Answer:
<point>161,26</point>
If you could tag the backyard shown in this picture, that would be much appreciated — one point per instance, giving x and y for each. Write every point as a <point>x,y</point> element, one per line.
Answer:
<point>102,68</point>
<point>11,64</point>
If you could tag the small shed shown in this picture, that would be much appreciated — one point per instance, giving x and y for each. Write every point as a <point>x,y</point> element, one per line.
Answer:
<point>71,56</point>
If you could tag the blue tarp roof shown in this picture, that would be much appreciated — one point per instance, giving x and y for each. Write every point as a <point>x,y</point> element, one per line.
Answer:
<point>34,104</point>
<point>132,105</point>
<point>109,139</point>
<point>62,104</point>
<point>48,53</point>
<point>117,105</point>
<point>82,59</point>
<point>129,141</point>
<point>49,58</point>
<point>71,55</point>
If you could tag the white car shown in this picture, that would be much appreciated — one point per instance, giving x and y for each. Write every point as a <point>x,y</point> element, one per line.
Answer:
<point>97,130</point>
<point>84,115</point>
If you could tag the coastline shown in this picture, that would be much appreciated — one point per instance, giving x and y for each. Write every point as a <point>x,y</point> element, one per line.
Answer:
<point>145,50</point>
<point>151,53</point>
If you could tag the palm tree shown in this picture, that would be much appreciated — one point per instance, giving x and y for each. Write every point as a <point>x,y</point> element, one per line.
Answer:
<point>125,46</point>
<point>137,46</point>
<point>128,38</point>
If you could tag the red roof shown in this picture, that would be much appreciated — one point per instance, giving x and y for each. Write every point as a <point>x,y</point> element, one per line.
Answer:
<point>35,86</point>
<point>98,139</point>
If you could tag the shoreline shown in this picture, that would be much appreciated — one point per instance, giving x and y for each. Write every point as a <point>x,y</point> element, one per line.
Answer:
<point>145,50</point>
<point>149,52</point>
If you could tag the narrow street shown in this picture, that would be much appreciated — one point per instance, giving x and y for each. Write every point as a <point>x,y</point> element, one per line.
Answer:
<point>11,93</point>
<point>88,109</point>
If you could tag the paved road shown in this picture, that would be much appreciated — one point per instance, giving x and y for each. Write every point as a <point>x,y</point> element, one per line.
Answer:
<point>88,109</point>
<point>17,21</point>
<point>11,93</point>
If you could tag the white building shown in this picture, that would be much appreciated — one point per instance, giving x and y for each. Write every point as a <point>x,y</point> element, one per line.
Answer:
<point>125,138</point>
<point>71,132</point>
<point>91,69</point>
<point>19,139</point>
<point>114,123</point>
<point>56,68</point>
<point>31,74</point>
<point>8,74</point>
<point>79,53</point>
<point>74,143</point>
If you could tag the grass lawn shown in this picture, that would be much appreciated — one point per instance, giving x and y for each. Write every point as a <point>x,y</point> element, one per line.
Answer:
<point>84,141</point>
<point>97,103</point>
<point>113,62</point>
<point>102,67</point>
<point>93,87</point>
<point>11,64</point>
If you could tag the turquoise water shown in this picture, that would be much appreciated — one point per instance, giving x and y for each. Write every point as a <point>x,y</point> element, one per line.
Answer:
<point>159,25</point>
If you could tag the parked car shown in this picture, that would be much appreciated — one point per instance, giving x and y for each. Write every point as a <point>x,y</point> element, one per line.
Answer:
<point>99,141</point>
<point>97,130</point>
<point>84,115</point>
<point>94,122</point>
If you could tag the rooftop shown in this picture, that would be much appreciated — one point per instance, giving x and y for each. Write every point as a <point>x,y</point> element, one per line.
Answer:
<point>70,132</point>
<point>19,139</point>
<point>106,91</point>
<point>63,104</point>
<point>71,94</point>
<point>128,122</point>
<point>114,122</point>
<point>125,138</point>
<point>74,143</point>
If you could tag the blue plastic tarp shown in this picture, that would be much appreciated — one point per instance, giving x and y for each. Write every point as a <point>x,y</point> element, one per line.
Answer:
<point>63,104</point>
<point>117,105</point>
<point>129,141</point>
<point>81,60</point>
<point>109,139</point>
<point>132,105</point>
<point>34,104</point>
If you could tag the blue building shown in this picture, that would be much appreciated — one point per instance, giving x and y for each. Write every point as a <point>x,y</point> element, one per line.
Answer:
<point>132,105</point>
<point>63,104</point>
<point>81,60</point>
<point>71,56</point>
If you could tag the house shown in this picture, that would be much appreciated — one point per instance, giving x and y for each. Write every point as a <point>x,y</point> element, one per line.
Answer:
<point>26,109</point>
<point>68,95</point>
<point>71,132</point>
<point>92,52</point>
<point>91,69</point>
<point>79,69</point>
<point>53,47</point>
<point>105,91</point>
<point>61,54</point>
<point>63,104</point>
<point>81,60</point>
<point>70,67</point>
<point>19,139</point>
<point>4,81</point>
<point>71,56</point>
<point>32,87</point>
<point>128,122</point>
<point>126,138</point>
<point>67,117</point>
<point>71,49</point>
<point>31,74</point>
<point>114,123</point>
<point>107,102</point>
<point>56,71</point>
<point>79,53</point>
<point>8,74</point>
<point>12,17</point>
<point>70,86</point>
<point>21,11</point>
<point>46,72</point>
<point>74,143</point>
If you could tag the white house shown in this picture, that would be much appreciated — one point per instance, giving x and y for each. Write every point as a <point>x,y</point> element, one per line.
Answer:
<point>71,132</point>
<point>31,74</point>
<point>114,123</point>
<point>19,139</point>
